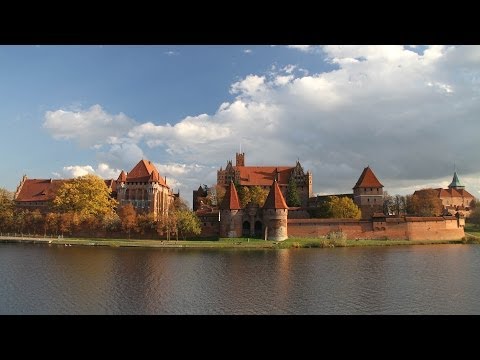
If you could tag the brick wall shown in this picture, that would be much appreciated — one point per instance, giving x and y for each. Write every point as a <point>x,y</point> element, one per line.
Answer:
<point>397,228</point>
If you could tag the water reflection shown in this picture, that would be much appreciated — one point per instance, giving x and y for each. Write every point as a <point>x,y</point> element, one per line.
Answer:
<point>37,279</point>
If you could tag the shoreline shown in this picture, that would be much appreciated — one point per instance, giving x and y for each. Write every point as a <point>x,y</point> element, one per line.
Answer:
<point>233,243</point>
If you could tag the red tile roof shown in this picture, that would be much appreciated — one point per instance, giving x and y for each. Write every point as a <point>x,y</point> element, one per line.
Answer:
<point>122,177</point>
<point>451,192</point>
<point>263,175</point>
<point>145,171</point>
<point>367,179</point>
<point>39,190</point>
<point>275,199</point>
<point>231,201</point>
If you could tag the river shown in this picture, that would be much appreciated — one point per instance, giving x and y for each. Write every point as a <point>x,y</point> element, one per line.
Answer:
<point>432,279</point>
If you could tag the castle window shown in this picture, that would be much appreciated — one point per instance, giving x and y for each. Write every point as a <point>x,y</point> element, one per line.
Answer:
<point>368,200</point>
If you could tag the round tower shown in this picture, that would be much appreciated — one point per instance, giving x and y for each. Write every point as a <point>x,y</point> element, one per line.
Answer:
<point>275,215</point>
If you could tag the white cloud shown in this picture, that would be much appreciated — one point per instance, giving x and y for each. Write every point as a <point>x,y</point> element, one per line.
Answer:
<point>409,114</point>
<point>89,127</point>
<point>103,170</point>
<point>305,48</point>
<point>247,51</point>
<point>171,53</point>
<point>77,170</point>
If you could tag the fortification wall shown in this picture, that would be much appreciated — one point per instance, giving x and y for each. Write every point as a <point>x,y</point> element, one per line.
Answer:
<point>391,229</point>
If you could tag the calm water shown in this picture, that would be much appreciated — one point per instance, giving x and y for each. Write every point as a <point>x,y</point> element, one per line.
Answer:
<point>435,279</point>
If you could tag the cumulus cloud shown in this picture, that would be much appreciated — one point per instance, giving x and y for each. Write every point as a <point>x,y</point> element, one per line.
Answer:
<point>87,127</point>
<point>103,170</point>
<point>408,113</point>
<point>247,51</point>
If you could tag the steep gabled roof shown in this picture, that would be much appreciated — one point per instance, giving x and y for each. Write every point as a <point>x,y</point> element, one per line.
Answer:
<point>367,179</point>
<point>231,201</point>
<point>39,190</point>
<point>275,199</point>
<point>145,171</point>
<point>264,175</point>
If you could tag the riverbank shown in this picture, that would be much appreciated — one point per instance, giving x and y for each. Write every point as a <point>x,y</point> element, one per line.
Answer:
<point>241,243</point>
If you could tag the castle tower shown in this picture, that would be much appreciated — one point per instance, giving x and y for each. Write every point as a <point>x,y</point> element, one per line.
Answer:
<point>368,193</point>
<point>456,184</point>
<point>145,189</point>
<point>231,214</point>
<point>275,213</point>
<point>240,159</point>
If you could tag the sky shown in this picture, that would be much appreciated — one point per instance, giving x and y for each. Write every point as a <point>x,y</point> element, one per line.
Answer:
<point>409,112</point>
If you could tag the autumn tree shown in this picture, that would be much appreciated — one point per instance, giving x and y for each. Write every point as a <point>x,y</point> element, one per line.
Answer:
<point>258,195</point>
<point>51,223</point>
<point>293,198</point>
<point>146,223</point>
<point>6,209</point>
<point>343,208</point>
<point>219,194</point>
<point>426,203</point>
<point>244,195</point>
<point>85,195</point>
<point>474,217</point>
<point>128,218</point>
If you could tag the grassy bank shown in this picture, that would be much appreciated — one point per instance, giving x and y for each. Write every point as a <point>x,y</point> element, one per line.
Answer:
<point>240,243</point>
<point>472,234</point>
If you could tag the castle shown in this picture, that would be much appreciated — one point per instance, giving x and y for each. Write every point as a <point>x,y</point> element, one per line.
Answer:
<point>455,198</point>
<point>277,221</point>
<point>264,176</point>
<point>143,187</point>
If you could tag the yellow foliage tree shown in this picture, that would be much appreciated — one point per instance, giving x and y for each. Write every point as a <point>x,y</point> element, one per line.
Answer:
<point>343,208</point>
<point>85,195</point>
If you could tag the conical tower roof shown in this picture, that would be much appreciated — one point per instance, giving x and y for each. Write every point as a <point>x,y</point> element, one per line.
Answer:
<point>231,201</point>
<point>275,199</point>
<point>122,177</point>
<point>456,184</point>
<point>367,179</point>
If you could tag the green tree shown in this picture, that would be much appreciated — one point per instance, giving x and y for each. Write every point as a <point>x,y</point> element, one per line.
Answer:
<point>293,198</point>
<point>188,223</point>
<point>128,218</point>
<point>343,208</point>
<point>85,195</point>
<point>426,203</point>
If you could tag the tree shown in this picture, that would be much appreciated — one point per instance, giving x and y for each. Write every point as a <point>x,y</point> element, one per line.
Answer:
<point>244,195</point>
<point>343,208</point>
<point>426,203</point>
<point>6,210</point>
<point>188,223</point>
<point>85,195</point>
<point>293,199</point>
<point>400,205</point>
<point>146,223</point>
<point>219,194</point>
<point>128,218</point>
<point>388,204</point>
<point>51,223</point>
<point>474,217</point>
<point>258,195</point>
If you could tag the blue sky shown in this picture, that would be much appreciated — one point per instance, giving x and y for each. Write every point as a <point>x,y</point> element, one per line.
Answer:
<point>408,112</point>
